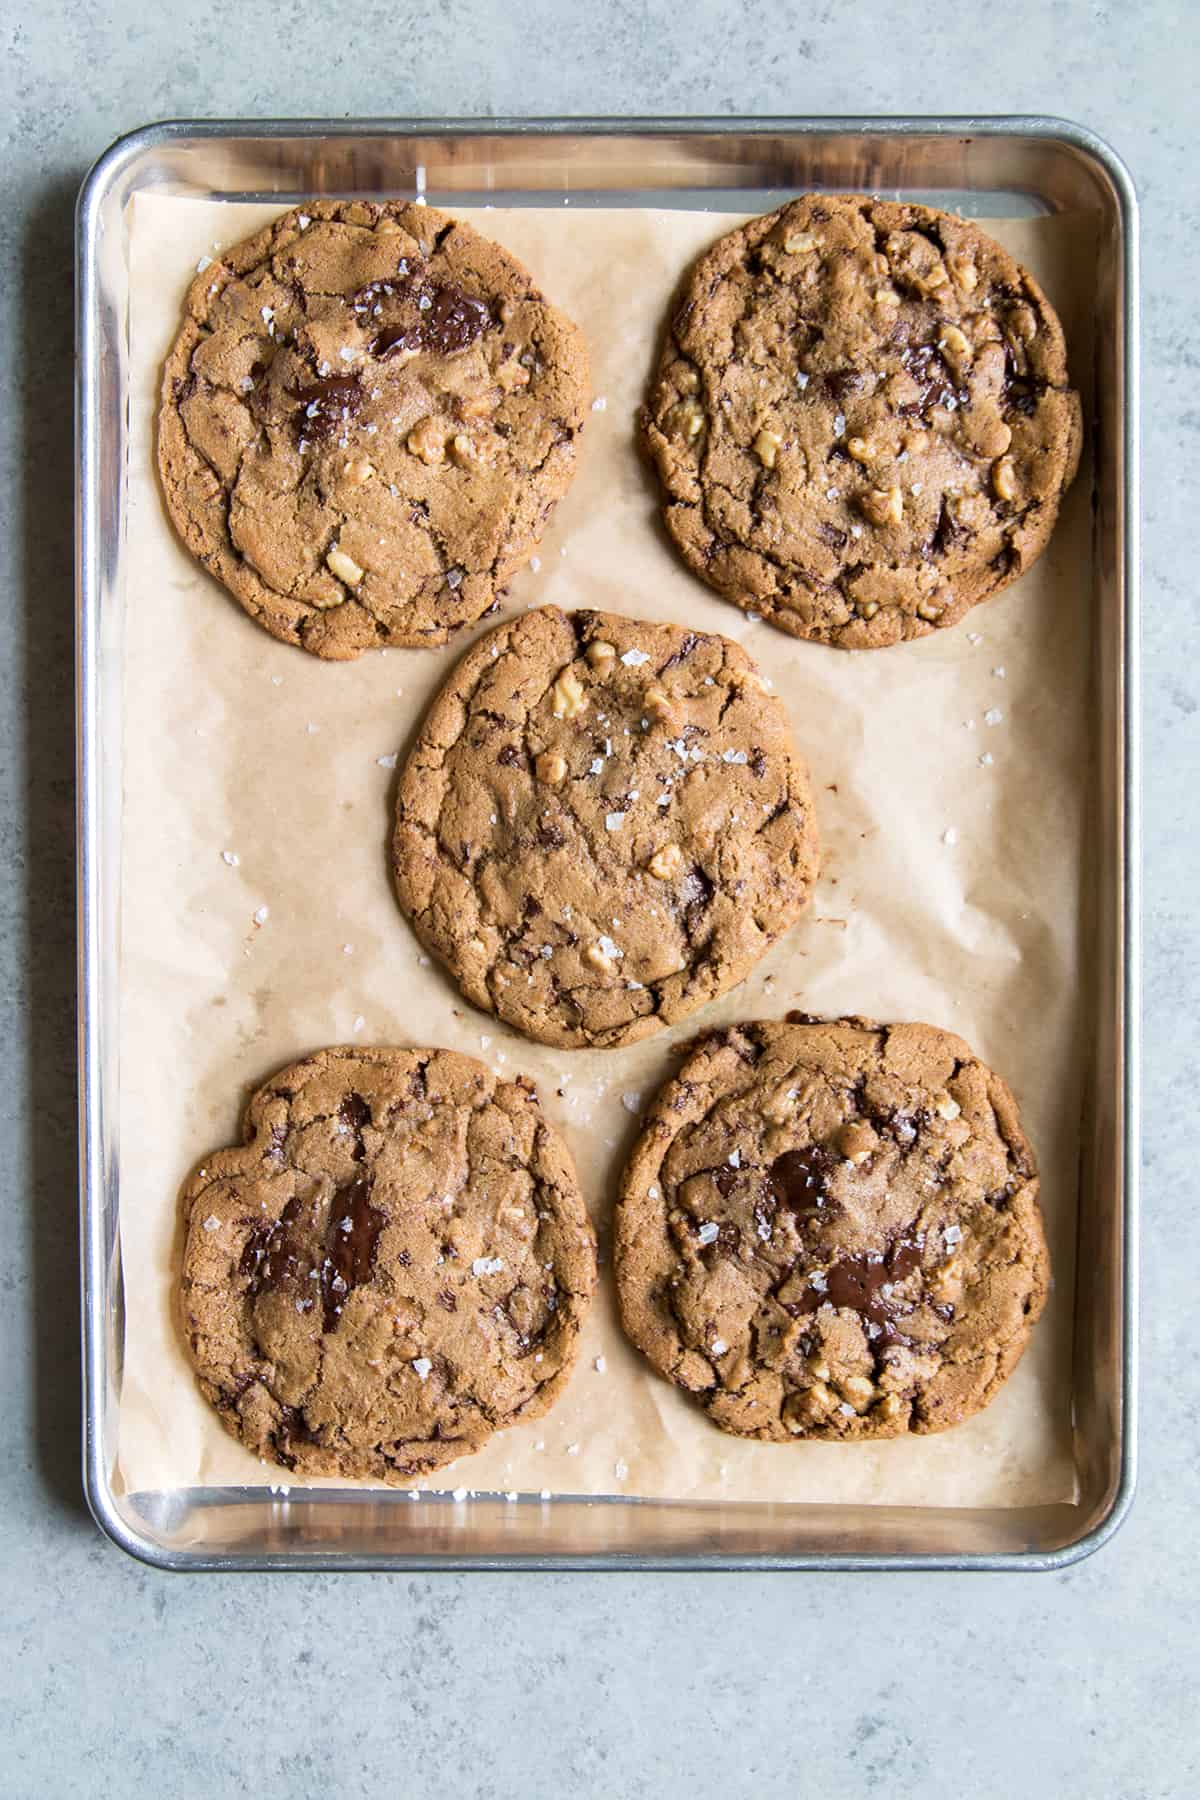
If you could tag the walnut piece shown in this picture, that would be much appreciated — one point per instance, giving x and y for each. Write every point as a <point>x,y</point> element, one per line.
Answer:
<point>568,697</point>
<point>428,441</point>
<point>1004,480</point>
<point>666,863</point>
<point>766,447</point>
<point>343,566</point>
<point>686,419</point>
<point>883,506</point>
<point>551,768</point>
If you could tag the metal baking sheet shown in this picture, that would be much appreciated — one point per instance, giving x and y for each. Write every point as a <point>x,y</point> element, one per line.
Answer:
<point>994,167</point>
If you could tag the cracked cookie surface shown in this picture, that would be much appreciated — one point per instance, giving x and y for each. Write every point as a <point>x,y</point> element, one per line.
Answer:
<point>862,419</point>
<point>395,1264</point>
<point>603,824</point>
<point>365,422</point>
<point>831,1230</point>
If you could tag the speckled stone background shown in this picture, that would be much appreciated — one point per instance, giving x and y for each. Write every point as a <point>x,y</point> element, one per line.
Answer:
<point>118,1681</point>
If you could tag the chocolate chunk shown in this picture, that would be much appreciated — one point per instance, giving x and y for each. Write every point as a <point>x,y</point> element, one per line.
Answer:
<point>931,372</point>
<point>695,892</point>
<point>798,1177</point>
<point>354,1228</point>
<point>448,318</point>
<point>354,1112</point>
<point>945,534</point>
<point>326,406</point>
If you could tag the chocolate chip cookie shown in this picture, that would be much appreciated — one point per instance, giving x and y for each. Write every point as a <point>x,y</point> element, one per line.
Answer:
<point>603,824</point>
<point>366,419</point>
<point>862,419</point>
<point>831,1230</point>
<point>394,1265</point>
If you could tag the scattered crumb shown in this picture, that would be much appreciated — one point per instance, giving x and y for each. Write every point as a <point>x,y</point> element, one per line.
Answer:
<point>949,836</point>
<point>262,915</point>
<point>231,857</point>
<point>386,762</point>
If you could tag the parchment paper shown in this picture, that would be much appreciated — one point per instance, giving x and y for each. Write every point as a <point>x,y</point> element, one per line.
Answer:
<point>949,777</point>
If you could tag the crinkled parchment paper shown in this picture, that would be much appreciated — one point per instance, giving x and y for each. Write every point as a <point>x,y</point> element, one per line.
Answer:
<point>949,784</point>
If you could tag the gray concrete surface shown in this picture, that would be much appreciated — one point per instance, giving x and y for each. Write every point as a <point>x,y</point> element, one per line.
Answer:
<point>115,1680</point>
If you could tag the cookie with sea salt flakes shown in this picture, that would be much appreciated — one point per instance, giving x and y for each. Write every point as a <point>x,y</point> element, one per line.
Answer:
<point>366,419</point>
<point>394,1265</point>
<point>862,419</point>
<point>830,1229</point>
<point>603,824</point>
